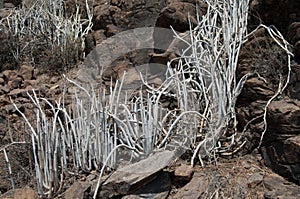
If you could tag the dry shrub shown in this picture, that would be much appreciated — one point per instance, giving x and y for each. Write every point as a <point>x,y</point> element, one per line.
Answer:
<point>44,34</point>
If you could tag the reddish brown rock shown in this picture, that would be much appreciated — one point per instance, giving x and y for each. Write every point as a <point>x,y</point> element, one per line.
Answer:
<point>104,15</point>
<point>283,118</point>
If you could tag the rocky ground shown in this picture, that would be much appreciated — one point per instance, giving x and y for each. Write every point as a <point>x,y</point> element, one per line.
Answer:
<point>272,171</point>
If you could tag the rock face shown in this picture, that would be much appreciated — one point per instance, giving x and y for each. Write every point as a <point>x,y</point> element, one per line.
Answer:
<point>280,145</point>
<point>268,64</point>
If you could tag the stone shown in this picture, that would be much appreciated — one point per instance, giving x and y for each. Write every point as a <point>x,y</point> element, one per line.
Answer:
<point>2,81</point>
<point>254,180</point>
<point>4,13</point>
<point>276,13</point>
<point>278,187</point>
<point>194,189</point>
<point>32,83</point>
<point>184,172</point>
<point>283,157</point>
<point>15,83</point>
<point>112,30</point>
<point>293,33</point>
<point>9,74</point>
<point>291,148</point>
<point>5,89</point>
<point>297,51</point>
<point>99,36</point>
<point>105,14</point>
<point>18,93</point>
<point>132,177</point>
<point>26,72</point>
<point>8,5</point>
<point>78,190</point>
<point>159,188</point>
<point>176,15</point>
<point>25,193</point>
<point>282,118</point>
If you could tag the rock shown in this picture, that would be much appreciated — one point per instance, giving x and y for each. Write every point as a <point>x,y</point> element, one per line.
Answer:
<point>8,5</point>
<point>184,172</point>
<point>254,180</point>
<point>25,193</point>
<point>2,81</point>
<point>91,177</point>
<point>279,13</point>
<point>280,188</point>
<point>54,80</point>
<point>26,72</point>
<point>90,43</point>
<point>3,126</point>
<point>105,14</point>
<point>195,188</point>
<point>15,83</point>
<point>283,157</point>
<point>293,90</point>
<point>130,178</point>
<point>4,101</point>
<point>99,36</point>
<point>281,150</point>
<point>258,89</point>
<point>176,15</point>
<point>5,89</point>
<point>292,151</point>
<point>293,34</point>
<point>9,74</point>
<point>112,30</point>
<point>32,83</point>
<point>282,118</point>
<point>78,190</point>
<point>18,93</point>
<point>159,188</point>
<point>297,51</point>
<point>4,13</point>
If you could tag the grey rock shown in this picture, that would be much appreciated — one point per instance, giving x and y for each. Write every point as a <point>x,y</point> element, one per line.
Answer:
<point>78,190</point>
<point>130,178</point>
<point>159,188</point>
<point>254,180</point>
<point>278,187</point>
